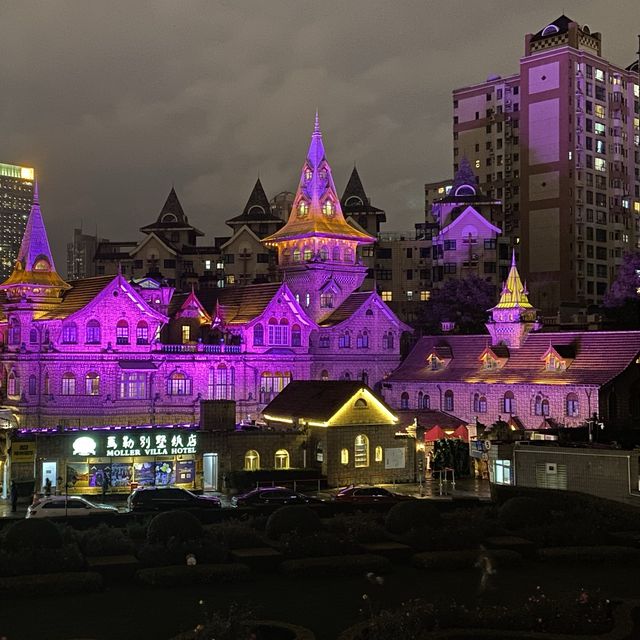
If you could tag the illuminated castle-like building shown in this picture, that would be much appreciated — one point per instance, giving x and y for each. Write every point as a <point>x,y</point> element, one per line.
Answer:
<point>112,351</point>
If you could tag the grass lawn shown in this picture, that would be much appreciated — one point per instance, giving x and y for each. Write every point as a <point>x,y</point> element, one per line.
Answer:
<point>326,606</point>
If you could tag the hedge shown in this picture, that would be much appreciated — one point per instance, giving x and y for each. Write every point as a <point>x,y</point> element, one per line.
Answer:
<point>590,554</point>
<point>333,566</point>
<point>200,574</point>
<point>463,559</point>
<point>46,585</point>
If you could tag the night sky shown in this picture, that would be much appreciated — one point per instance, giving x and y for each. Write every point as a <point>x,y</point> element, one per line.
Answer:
<point>115,101</point>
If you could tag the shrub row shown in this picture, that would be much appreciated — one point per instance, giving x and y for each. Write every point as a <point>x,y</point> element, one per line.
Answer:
<point>41,561</point>
<point>463,559</point>
<point>58,583</point>
<point>335,566</point>
<point>590,554</point>
<point>200,574</point>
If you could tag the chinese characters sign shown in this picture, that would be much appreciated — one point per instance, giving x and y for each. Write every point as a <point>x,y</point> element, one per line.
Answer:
<point>136,443</point>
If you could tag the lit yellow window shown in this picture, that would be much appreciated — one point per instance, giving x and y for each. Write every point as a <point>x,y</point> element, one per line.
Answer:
<point>387,296</point>
<point>378,453</point>
<point>186,333</point>
<point>425,295</point>
<point>344,456</point>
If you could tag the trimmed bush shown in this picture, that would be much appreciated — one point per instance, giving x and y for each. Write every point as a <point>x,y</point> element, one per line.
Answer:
<point>463,559</point>
<point>174,525</point>
<point>35,561</point>
<point>33,533</point>
<point>200,574</point>
<point>296,518</point>
<point>316,545</point>
<point>335,566</point>
<point>175,552</point>
<point>235,535</point>
<point>105,541</point>
<point>359,528</point>
<point>46,585</point>
<point>137,530</point>
<point>520,512</point>
<point>590,554</point>
<point>404,516</point>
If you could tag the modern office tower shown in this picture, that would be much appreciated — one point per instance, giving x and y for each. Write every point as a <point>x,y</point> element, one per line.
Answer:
<point>559,143</point>
<point>434,191</point>
<point>81,254</point>
<point>16,197</point>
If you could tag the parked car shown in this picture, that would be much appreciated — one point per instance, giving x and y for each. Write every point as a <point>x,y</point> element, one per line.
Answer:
<point>272,496</point>
<point>369,495</point>
<point>169,498</point>
<point>61,506</point>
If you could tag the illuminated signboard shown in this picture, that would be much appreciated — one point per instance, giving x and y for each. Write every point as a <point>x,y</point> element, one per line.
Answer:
<point>14,171</point>
<point>135,443</point>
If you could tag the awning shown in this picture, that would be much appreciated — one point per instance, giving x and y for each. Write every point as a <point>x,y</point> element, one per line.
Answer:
<point>435,433</point>
<point>462,433</point>
<point>137,365</point>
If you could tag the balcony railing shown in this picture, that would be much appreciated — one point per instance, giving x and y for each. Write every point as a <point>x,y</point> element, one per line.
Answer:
<point>200,348</point>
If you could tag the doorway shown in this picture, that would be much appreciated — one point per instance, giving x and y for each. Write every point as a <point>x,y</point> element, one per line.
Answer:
<point>49,471</point>
<point>210,469</point>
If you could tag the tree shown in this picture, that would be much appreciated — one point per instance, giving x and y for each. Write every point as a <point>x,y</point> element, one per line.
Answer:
<point>464,301</point>
<point>622,301</point>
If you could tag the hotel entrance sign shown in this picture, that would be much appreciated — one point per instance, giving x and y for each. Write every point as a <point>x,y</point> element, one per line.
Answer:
<point>136,443</point>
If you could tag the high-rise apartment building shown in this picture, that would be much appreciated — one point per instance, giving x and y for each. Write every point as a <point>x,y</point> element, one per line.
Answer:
<point>16,197</point>
<point>559,144</point>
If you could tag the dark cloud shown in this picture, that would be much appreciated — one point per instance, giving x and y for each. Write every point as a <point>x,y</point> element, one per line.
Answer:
<point>114,101</point>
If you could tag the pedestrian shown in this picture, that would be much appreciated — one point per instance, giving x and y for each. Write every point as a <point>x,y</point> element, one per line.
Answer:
<point>105,484</point>
<point>487,571</point>
<point>14,496</point>
<point>47,487</point>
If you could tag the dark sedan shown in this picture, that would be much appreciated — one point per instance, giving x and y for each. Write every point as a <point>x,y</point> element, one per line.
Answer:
<point>369,495</point>
<point>169,498</point>
<point>274,496</point>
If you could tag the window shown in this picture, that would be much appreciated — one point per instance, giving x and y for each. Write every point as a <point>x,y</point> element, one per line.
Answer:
<point>258,335</point>
<point>600,164</point>
<point>490,243</point>
<point>178,384</point>
<point>344,340</point>
<point>93,332</point>
<point>362,341</point>
<point>425,295</point>
<point>278,333</point>
<point>502,472</point>
<point>271,384</point>
<point>324,253</point>
<point>573,405</point>
<point>361,451</point>
<point>282,459</point>
<point>599,111</point>
<point>13,384</point>
<point>479,403</point>
<point>324,342</point>
<point>68,384</point>
<point>14,331</point>
<point>251,460</point>
<point>387,340</point>
<point>326,300</point>
<point>222,383</point>
<point>70,333</point>
<point>387,296</point>
<point>324,375</point>
<point>424,401</point>
<point>509,403</point>
<point>296,336</point>
<point>404,400</point>
<point>307,254</point>
<point>92,384</point>
<point>449,245</point>
<point>32,385</point>
<point>122,332</point>
<point>185,330</point>
<point>142,332</point>
<point>133,385</point>
<point>33,336</point>
<point>378,454</point>
<point>599,75</point>
<point>328,208</point>
<point>296,255</point>
<point>600,129</point>
<point>344,456</point>
<point>448,400</point>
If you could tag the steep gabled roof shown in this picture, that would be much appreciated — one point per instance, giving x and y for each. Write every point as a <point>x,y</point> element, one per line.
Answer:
<point>356,197</point>
<point>257,209</point>
<point>317,400</point>
<point>561,24</point>
<point>241,304</point>
<point>514,294</point>
<point>81,293</point>
<point>349,306</point>
<point>171,216</point>
<point>600,356</point>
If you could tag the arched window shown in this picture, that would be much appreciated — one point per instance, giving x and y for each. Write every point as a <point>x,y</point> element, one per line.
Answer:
<point>424,401</point>
<point>251,460</point>
<point>307,299</point>
<point>122,332</point>
<point>328,208</point>
<point>32,385</point>
<point>14,331</point>
<point>348,254</point>
<point>68,384</point>
<point>573,405</point>
<point>378,454</point>
<point>282,459</point>
<point>93,332</point>
<point>308,253</point>
<point>344,341</point>
<point>360,403</point>
<point>258,335</point>
<point>224,382</point>
<point>362,341</point>
<point>278,333</point>
<point>537,406</point>
<point>324,252</point>
<point>344,456</point>
<point>365,378</point>
<point>326,300</point>
<point>33,336</point>
<point>335,256</point>
<point>142,333</point>
<point>346,376</point>
<point>303,208</point>
<point>387,340</point>
<point>69,333</point>
<point>509,403</point>
<point>545,407</point>
<point>296,255</point>
<point>448,400</point>
<point>13,384</point>
<point>361,451</point>
<point>178,384</point>
<point>482,404</point>
<point>324,375</point>
<point>92,384</point>
<point>404,400</point>
<point>296,336</point>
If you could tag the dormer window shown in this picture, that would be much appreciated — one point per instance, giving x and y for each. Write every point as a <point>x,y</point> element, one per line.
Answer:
<point>490,363</point>
<point>328,208</point>
<point>555,364</point>
<point>434,362</point>
<point>308,174</point>
<point>42,264</point>
<point>303,208</point>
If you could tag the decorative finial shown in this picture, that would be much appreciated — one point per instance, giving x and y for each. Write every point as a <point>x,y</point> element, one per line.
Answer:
<point>316,128</point>
<point>513,257</point>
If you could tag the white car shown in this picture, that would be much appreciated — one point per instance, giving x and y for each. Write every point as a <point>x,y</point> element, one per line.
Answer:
<point>61,506</point>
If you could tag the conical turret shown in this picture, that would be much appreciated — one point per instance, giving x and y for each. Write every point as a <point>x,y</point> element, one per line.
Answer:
<point>34,274</point>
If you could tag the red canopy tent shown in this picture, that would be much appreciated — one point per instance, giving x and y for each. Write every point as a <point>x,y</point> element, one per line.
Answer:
<point>461,432</point>
<point>435,433</point>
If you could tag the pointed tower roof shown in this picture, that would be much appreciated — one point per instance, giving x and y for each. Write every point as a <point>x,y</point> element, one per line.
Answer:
<point>316,207</point>
<point>514,294</point>
<point>464,175</point>
<point>173,207</point>
<point>34,264</point>
<point>257,209</point>
<point>354,189</point>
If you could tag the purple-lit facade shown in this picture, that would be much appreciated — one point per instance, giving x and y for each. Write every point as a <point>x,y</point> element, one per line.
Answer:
<point>107,351</point>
